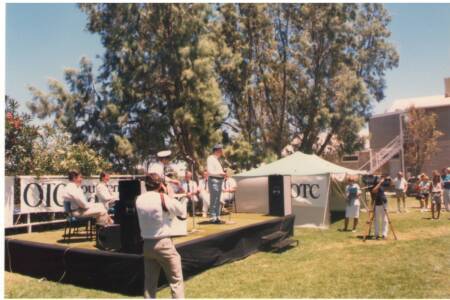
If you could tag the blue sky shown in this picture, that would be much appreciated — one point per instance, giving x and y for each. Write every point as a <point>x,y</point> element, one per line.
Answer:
<point>43,39</point>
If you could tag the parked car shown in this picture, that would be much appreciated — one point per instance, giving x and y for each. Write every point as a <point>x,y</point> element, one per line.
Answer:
<point>412,190</point>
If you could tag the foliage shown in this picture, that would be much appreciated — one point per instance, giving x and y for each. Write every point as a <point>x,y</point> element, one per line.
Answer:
<point>58,155</point>
<point>42,150</point>
<point>79,110</point>
<point>301,70</point>
<point>256,76</point>
<point>158,86</point>
<point>19,137</point>
<point>421,138</point>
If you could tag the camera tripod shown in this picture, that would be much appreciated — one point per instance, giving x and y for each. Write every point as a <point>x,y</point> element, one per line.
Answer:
<point>372,218</point>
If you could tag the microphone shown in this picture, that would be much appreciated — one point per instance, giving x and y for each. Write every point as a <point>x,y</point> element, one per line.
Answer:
<point>189,158</point>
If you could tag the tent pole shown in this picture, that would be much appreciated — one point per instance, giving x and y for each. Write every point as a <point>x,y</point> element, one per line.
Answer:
<point>328,200</point>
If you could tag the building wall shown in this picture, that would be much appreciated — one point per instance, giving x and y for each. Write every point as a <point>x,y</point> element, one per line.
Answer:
<point>382,130</point>
<point>363,157</point>
<point>385,128</point>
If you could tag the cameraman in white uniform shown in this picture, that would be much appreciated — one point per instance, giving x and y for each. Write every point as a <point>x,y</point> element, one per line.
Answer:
<point>154,210</point>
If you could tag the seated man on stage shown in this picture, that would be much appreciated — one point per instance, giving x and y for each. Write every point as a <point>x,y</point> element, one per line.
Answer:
<point>78,204</point>
<point>228,189</point>
<point>189,187</point>
<point>103,193</point>
<point>204,194</point>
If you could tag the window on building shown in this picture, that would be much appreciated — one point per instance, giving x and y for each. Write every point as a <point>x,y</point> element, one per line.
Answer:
<point>351,158</point>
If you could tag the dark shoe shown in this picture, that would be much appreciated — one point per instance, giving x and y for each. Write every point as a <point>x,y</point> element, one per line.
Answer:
<point>218,222</point>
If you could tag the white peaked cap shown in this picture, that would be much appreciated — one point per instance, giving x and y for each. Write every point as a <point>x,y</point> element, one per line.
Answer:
<point>163,154</point>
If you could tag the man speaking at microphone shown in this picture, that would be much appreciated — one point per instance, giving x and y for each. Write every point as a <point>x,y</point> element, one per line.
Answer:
<point>215,180</point>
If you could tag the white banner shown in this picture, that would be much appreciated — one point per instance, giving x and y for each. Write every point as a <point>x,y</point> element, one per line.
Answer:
<point>45,194</point>
<point>310,200</point>
<point>9,201</point>
<point>309,191</point>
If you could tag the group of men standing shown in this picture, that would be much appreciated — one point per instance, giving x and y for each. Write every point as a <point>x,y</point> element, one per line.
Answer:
<point>214,189</point>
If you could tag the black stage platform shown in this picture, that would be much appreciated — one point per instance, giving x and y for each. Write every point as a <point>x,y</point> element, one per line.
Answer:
<point>124,273</point>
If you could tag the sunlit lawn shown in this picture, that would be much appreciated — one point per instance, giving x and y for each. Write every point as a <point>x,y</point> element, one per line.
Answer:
<point>327,264</point>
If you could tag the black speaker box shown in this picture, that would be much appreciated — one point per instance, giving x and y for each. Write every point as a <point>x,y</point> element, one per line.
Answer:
<point>276,195</point>
<point>109,237</point>
<point>126,216</point>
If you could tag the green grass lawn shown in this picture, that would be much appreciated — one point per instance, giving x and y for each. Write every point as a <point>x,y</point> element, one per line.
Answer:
<point>327,264</point>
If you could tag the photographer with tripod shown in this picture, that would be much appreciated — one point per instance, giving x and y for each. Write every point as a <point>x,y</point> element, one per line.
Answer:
<point>380,199</point>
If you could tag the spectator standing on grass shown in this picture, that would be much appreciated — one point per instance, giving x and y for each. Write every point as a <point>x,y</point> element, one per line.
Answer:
<point>352,193</point>
<point>424,192</point>
<point>380,209</point>
<point>401,185</point>
<point>436,195</point>
<point>446,190</point>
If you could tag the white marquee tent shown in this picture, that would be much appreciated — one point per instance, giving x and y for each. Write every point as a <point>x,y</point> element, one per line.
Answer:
<point>311,188</point>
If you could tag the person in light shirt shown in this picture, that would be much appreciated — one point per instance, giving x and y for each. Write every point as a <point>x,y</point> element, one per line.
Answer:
<point>161,168</point>
<point>216,175</point>
<point>103,193</point>
<point>154,210</point>
<point>204,194</point>
<point>189,187</point>
<point>78,204</point>
<point>401,185</point>
<point>228,189</point>
<point>353,194</point>
<point>436,195</point>
<point>446,187</point>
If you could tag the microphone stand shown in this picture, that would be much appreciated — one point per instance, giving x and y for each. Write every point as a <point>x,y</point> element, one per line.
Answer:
<point>194,229</point>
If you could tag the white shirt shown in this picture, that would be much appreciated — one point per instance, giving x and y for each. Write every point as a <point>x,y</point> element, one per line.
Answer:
<point>153,221</point>
<point>353,201</point>
<point>157,168</point>
<point>74,194</point>
<point>400,184</point>
<point>203,185</point>
<point>193,188</point>
<point>228,184</point>
<point>103,194</point>
<point>436,188</point>
<point>214,167</point>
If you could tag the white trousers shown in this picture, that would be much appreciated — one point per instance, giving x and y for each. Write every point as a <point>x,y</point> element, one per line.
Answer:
<point>206,201</point>
<point>96,210</point>
<point>381,214</point>
<point>446,199</point>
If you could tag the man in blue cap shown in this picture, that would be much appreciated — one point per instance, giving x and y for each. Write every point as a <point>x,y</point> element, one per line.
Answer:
<point>215,180</point>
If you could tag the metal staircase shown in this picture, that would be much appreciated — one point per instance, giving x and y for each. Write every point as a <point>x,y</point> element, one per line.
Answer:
<point>379,158</point>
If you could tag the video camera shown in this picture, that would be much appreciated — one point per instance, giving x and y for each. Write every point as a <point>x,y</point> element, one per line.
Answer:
<point>372,180</point>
